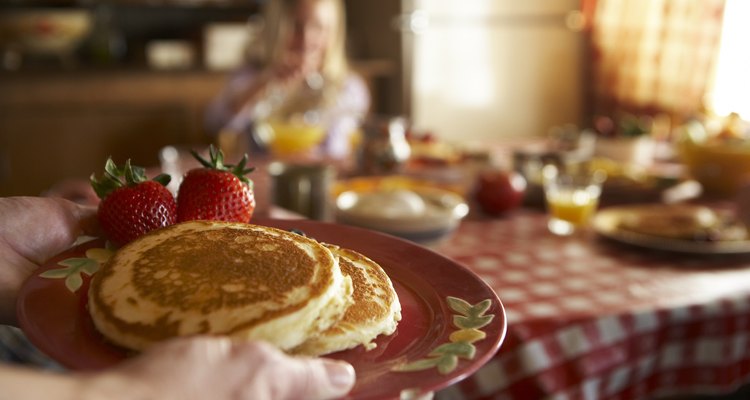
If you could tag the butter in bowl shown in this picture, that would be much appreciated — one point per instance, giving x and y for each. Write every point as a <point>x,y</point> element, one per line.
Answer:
<point>419,213</point>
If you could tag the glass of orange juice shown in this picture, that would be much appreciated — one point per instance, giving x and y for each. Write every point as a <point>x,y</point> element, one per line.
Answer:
<point>572,197</point>
<point>287,137</point>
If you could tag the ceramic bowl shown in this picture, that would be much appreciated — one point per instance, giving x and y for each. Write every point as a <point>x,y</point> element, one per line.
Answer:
<point>46,31</point>
<point>722,167</point>
<point>420,214</point>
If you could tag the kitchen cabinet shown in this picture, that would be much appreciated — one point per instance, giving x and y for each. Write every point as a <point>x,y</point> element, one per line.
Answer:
<point>65,125</point>
<point>61,121</point>
<point>202,4</point>
<point>57,125</point>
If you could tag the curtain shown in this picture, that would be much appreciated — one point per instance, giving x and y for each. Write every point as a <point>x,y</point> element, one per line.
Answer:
<point>651,56</point>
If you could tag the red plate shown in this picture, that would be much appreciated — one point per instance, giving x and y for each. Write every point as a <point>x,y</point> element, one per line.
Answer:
<point>427,352</point>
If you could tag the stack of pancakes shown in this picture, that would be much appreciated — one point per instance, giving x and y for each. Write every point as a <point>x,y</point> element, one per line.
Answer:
<point>245,281</point>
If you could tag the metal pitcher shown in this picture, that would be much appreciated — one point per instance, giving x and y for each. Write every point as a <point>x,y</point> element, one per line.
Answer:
<point>303,188</point>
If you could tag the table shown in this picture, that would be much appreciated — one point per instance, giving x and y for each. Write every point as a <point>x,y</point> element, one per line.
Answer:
<point>589,318</point>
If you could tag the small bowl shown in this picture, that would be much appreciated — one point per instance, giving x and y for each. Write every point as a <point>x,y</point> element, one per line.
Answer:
<point>422,215</point>
<point>46,31</point>
<point>722,167</point>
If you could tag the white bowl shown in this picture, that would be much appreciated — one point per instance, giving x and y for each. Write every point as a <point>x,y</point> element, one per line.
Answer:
<point>45,31</point>
<point>423,215</point>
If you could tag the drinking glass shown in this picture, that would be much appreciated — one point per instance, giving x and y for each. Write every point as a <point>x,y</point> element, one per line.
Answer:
<point>572,197</point>
<point>290,137</point>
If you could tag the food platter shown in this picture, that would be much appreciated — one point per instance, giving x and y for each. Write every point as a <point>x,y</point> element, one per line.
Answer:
<point>607,223</point>
<point>427,352</point>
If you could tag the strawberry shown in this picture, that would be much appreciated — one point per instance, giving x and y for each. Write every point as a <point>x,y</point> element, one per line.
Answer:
<point>131,208</point>
<point>217,191</point>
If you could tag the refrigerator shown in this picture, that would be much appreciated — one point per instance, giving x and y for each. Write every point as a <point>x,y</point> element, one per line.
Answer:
<point>492,69</point>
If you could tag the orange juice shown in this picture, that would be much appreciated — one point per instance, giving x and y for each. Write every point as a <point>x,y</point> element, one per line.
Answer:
<point>570,208</point>
<point>572,196</point>
<point>293,137</point>
<point>574,206</point>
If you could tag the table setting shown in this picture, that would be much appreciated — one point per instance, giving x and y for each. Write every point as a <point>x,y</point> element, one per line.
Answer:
<point>595,307</point>
<point>593,318</point>
<point>643,296</point>
<point>643,293</point>
<point>590,294</point>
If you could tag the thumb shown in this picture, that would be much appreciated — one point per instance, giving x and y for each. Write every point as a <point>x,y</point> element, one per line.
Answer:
<point>318,378</point>
<point>88,222</point>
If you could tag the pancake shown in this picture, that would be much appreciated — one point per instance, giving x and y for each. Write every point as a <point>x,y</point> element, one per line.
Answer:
<point>376,309</point>
<point>683,222</point>
<point>672,221</point>
<point>204,277</point>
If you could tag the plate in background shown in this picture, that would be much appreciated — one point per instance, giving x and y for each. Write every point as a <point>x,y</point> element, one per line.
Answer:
<point>607,223</point>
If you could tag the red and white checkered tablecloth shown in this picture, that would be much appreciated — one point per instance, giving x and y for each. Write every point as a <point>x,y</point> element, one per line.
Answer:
<point>593,319</point>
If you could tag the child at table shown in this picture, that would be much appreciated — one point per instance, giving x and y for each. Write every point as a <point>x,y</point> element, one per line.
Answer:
<point>301,71</point>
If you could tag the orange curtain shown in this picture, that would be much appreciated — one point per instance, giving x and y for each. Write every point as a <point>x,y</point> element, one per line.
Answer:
<point>651,56</point>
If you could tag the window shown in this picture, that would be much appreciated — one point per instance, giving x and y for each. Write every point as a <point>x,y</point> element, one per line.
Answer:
<point>730,91</point>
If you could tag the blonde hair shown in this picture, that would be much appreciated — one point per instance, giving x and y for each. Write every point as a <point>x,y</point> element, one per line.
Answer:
<point>278,20</point>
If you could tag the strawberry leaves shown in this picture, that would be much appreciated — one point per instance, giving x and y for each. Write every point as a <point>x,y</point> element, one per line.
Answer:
<point>131,204</point>
<point>216,162</point>
<point>216,191</point>
<point>113,178</point>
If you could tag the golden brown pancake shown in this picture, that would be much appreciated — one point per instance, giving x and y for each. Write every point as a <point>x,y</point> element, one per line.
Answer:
<point>376,309</point>
<point>682,221</point>
<point>200,277</point>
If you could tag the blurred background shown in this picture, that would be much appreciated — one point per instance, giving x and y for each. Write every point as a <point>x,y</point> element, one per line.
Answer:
<point>81,80</point>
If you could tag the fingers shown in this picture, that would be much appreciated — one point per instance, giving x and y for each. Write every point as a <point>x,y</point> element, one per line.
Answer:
<point>289,71</point>
<point>339,378</point>
<point>39,228</point>
<point>81,219</point>
<point>77,190</point>
<point>286,377</point>
<point>217,368</point>
<point>87,221</point>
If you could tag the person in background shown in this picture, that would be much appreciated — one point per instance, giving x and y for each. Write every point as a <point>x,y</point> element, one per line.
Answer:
<point>34,229</point>
<point>300,70</point>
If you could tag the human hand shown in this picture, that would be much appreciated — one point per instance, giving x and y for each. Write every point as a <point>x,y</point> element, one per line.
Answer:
<point>33,230</point>
<point>292,70</point>
<point>76,190</point>
<point>217,368</point>
<point>270,87</point>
